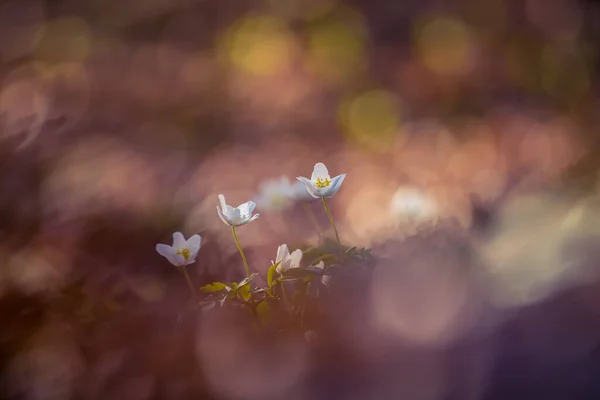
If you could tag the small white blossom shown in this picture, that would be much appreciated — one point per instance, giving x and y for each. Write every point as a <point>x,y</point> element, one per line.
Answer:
<point>279,194</point>
<point>321,184</point>
<point>286,260</point>
<point>182,252</point>
<point>237,216</point>
<point>413,204</point>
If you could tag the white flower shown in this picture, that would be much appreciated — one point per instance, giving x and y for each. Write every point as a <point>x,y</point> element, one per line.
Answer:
<point>287,260</point>
<point>325,279</point>
<point>237,216</point>
<point>182,252</point>
<point>275,194</point>
<point>299,192</point>
<point>413,204</point>
<point>321,184</point>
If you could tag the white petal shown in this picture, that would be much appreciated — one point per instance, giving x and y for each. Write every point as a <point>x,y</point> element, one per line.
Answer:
<point>295,258</point>
<point>223,217</point>
<point>319,171</point>
<point>168,252</point>
<point>320,265</point>
<point>280,268</point>
<point>178,240</point>
<point>222,202</point>
<point>282,253</point>
<point>246,208</point>
<point>254,217</point>
<point>299,191</point>
<point>335,185</point>
<point>179,260</point>
<point>193,244</point>
<point>310,187</point>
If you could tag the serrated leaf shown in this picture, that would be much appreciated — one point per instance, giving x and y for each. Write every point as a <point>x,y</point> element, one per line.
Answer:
<point>264,312</point>
<point>271,273</point>
<point>213,287</point>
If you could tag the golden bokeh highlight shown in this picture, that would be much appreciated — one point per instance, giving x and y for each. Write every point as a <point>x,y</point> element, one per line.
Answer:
<point>337,45</point>
<point>445,45</point>
<point>259,44</point>
<point>67,39</point>
<point>371,118</point>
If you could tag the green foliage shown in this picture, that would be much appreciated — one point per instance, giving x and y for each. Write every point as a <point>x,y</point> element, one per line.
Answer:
<point>213,287</point>
<point>289,300</point>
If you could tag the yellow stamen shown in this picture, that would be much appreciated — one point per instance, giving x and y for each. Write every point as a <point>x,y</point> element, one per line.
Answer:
<point>322,183</point>
<point>184,252</point>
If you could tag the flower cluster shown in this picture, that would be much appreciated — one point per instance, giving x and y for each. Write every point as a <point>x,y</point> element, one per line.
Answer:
<point>287,268</point>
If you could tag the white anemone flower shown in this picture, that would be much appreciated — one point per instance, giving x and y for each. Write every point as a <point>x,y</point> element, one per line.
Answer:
<point>286,260</point>
<point>275,194</point>
<point>321,184</point>
<point>413,204</point>
<point>300,193</point>
<point>279,194</point>
<point>182,252</point>
<point>236,216</point>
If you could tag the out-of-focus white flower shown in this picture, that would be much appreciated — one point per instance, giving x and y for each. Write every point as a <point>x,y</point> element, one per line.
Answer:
<point>321,184</point>
<point>182,252</point>
<point>287,260</point>
<point>299,192</point>
<point>325,279</point>
<point>413,204</point>
<point>278,194</point>
<point>236,216</point>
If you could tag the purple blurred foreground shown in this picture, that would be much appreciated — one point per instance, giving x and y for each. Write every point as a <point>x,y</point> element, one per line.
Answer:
<point>468,132</point>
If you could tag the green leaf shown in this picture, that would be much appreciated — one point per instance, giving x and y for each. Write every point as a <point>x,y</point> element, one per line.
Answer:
<point>244,292</point>
<point>351,249</point>
<point>271,273</point>
<point>264,312</point>
<point>248,279</point>
<point>213,287</point>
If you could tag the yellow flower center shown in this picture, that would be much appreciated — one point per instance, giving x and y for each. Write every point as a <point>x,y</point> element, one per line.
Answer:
<point>322,183</point>
<point>185,253</point>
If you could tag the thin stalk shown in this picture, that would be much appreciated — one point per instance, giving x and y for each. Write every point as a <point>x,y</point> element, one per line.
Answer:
<point>189,281</point>
<point>337,236</point>
<point>239,246</point>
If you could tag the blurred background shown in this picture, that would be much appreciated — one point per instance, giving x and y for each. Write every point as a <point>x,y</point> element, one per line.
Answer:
<point>468,130</point>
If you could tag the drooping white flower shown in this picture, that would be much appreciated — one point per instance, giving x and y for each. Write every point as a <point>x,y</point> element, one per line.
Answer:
<point>236,216</point>
<point>287,260</point>
<point>182,252</point>
<point>321,184</point>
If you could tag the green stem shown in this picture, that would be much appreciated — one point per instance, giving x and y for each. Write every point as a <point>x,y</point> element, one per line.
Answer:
<point>337,236</point>
<point>189,281</point>
<point>239,246</point>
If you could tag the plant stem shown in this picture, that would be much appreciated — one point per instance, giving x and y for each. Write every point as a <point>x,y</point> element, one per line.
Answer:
<point>239,246</point>
<point>189,281</point>
<point>332,223</point>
